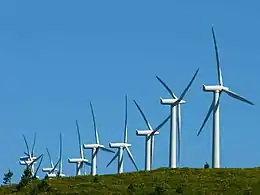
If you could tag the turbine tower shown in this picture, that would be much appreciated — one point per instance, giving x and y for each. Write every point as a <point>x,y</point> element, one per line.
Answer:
<point>173,102</point>
<point>122,146</point>
<point>29,158</point>
<point>95,147</point>
<point>51,173</point>
<point>217,90</point>
<point>79,161</point>
<point>149,138</point>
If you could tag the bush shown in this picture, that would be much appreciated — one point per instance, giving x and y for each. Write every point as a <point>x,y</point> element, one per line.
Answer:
<point>206,165</point>
<point>8,177</point>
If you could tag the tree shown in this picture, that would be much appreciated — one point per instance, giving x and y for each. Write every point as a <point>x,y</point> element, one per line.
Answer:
<point>8,177</point>
<point>206,165</point>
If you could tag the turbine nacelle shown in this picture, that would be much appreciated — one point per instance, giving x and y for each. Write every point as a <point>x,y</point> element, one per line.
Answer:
<point>91,146</point>
<point>27,158</point>
<point>213,88</point>
<point>170,101</point>
<point>28,162</point>
<point>48,169</point>
<point>119,145</point>
<point>145,132</point>
<point>77,160</point>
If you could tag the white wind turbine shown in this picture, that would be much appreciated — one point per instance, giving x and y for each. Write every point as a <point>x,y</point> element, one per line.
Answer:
<point>79,161</point>
<point>95,147</point>
<point>29,163</point>
<point>58,173</point>
<point>29,158</point>
<point>47,170</point>
<point>149,138</point>
<point>122,146</point>
<point>217,89</point>
<point>173,102</point>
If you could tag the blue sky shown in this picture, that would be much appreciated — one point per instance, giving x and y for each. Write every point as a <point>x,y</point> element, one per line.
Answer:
<point>56,56</point>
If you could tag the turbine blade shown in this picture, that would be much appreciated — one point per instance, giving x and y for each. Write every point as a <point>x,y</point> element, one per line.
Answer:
<point>55,166</point>
<point>211,108</point>
<point>166,87</point>
<point>80,146</point>
<point>217,57</point>
<point>106,149</point>
<point>35,160</point>
<point>37,169</point>
<point>94,123</point>
<point>188,86</point>
<point>179,130</point>
<point>131,157</point>
<point>60,165</point>
<point>125,133</point>
<point>27,147</point>
<point>50,158</point>
<point>145,119</point>
<point>160,126</point>
<point>27,154</point>
<point>236,96</point>
<point>34,140</point>
<point>116,155</point>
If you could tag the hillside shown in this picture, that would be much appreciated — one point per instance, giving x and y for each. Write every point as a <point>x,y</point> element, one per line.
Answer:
<point>160,181</point>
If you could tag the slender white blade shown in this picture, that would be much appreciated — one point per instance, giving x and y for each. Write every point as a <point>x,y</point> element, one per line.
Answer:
<point>87,163</point>
<point>110,162</point>
<point>94,123</point>
<point>60,165</point>
<point>166,87</point>
<point>160,125</point>
<point>106,149</point>
<point>79,139</point>
<point>37,169</point>
<point>211,108</point>
<point>27,147</point>
<point>179,130</point>
<point>131,157</point>
<point>236,96</point>
<point>142,113</point>
<point>34,140</point>
<point>55,166</point>
<point>125,132</point>
<point>52,165</point>
<point>188,86</point>
<point>217,57</point>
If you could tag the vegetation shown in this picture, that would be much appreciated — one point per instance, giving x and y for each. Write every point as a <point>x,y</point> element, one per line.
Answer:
<point>8,177</point>
<point>161,181</point>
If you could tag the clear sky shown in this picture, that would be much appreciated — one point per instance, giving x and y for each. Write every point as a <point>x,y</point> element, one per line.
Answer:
<point>56,56</point>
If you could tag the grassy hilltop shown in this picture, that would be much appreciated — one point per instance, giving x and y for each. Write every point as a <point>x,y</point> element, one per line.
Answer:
<point>161,181</point>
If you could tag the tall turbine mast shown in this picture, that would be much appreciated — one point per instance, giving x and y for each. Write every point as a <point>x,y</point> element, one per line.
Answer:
<point>95,147</point>
<point>175,102</point>
<point>122,146</point>
<point>149,137</point>
<point>214,108</point>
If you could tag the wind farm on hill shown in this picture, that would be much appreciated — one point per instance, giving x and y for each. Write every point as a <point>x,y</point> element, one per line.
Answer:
<point>82,165</point>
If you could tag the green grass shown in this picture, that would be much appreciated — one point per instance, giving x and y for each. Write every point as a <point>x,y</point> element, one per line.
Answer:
<point>161,181</point>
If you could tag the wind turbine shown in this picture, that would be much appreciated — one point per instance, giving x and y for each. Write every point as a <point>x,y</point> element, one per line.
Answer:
<point>149,136</point>
<point>29,163</point>
<point>24,160</point>
<point>217,90</point>
<point>79,161</point>
<point>173,102</point>
<point>47,170</point>
<point>122,146</point>
<point>59,173</point>
<point>95,147</point>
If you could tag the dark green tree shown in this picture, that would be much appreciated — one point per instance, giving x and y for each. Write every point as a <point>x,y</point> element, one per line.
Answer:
<point>206,165</point>
<point>8,177</point>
